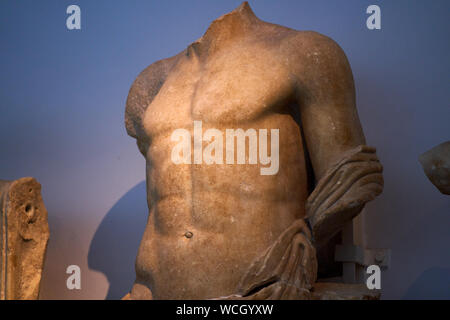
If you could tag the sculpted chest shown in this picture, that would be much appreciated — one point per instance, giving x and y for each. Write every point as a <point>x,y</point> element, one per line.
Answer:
<point>230,88</point>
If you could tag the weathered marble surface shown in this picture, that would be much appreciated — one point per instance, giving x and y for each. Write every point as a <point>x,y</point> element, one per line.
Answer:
<point>224,230</point>
<point>24,234</point>
<point>436,164</point>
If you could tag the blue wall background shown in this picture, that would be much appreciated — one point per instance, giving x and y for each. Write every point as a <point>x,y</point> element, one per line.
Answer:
<point>62,100</point>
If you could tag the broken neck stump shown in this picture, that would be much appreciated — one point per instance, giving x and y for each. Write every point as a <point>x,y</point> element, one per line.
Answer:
<point>24,234</point>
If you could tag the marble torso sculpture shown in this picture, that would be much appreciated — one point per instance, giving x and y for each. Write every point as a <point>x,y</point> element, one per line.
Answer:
<point>224,230</point>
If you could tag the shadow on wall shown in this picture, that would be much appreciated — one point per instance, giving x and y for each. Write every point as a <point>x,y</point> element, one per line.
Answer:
<point>433,283</point>
<point>115,244</point>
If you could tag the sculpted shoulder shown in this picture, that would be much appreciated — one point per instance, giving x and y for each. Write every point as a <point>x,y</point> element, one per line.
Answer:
<point>316,62</point>
<point>144,89</point>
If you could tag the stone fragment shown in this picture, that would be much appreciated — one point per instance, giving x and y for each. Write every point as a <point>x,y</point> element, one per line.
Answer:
<point>436,164</point>
<point>24,234</point>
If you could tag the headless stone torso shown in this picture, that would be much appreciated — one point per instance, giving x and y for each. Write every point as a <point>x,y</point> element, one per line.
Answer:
<point>209,222</point>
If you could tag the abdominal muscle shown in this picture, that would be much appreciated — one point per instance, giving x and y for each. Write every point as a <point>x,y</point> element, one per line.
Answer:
<point>208,223</point>
<point>200,246</point>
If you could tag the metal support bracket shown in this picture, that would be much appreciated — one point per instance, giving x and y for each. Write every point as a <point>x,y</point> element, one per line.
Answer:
<point>363,257</point>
